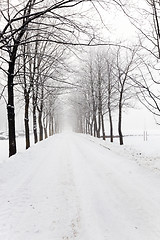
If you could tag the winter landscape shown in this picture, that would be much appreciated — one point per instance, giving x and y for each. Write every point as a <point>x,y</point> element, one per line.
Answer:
<point>79,120</point>
<point>73,186</point>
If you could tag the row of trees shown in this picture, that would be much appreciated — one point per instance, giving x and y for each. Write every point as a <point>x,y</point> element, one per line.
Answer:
<point>38,70</point>
<point>106,86</point>
<point>135,74</point>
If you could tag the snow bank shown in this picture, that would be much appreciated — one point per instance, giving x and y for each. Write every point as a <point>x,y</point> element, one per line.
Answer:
<point>145,153</point>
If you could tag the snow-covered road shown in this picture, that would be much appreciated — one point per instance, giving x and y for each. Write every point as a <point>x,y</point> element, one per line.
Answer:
<point>69,187</point>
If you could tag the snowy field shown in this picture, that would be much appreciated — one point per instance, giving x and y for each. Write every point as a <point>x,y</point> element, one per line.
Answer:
<point>76,187</point>
<point>145,153</point>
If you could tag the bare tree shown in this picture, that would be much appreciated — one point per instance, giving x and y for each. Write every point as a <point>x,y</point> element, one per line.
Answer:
<point>147,22</point>
<point>111,89</point>
<point>124,68</point>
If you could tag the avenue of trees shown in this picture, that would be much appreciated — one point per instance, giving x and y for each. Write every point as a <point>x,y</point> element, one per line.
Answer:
<point>106,86</point>
<point>28,30</point>
<point>38,37</point>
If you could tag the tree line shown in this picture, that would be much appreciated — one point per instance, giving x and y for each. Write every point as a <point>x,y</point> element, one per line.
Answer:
<point>106,86</point>
<point>35,39</point>
<point>112,78</point>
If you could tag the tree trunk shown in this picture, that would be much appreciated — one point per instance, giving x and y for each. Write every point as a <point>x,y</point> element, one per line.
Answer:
<point>111,124</point>
<point>40,126</point>
<point>120,124</point>
<point>99,106</point>
<point>103,128</point>
<point>95,127</point>
<point>91,129</point>
<point>35,119</point>
<point>52,127</point>
<point>99,124</point>
<point>56,126</point>
<point>26,121</point>
<point>45,123</point>
<point>11,111</point>
<point>45,133</point>
<point>86,126</point>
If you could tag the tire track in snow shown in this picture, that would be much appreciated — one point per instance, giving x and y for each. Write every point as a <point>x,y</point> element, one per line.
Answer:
<point>40,203</point>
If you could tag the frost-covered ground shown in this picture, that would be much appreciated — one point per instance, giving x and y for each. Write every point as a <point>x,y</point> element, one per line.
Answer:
<point>145,153</point>
<point>4,147</point>
<point>76,187</point>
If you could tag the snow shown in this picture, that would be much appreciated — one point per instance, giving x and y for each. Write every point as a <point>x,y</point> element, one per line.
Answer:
<point>145,153</point>
<point>77,187</point>
<point>4,145</point>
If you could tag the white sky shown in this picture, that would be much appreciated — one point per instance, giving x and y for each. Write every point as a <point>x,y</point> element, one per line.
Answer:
<point>139,119</point>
